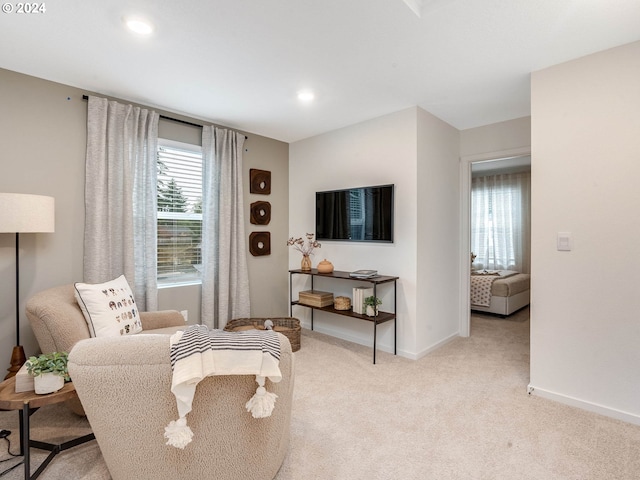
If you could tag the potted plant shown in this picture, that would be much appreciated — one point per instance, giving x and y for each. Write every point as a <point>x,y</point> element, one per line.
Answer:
<point>49,371</point>
<point>371,305</point>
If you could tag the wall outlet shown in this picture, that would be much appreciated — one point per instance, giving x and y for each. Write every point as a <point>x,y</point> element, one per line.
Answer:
<point>185,314</point>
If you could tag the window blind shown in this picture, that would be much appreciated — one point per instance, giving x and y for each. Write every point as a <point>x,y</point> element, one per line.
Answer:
<point>179,215</point>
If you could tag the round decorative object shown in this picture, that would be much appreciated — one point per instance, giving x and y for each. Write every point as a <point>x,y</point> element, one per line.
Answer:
<point>259,181</point>
<point>260,243</point>
<point>260,213</point>
<point>47,383</point>
<point>342,303</point>
<point>325,266</point>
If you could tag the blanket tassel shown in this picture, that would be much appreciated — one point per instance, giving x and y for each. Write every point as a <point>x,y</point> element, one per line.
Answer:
<point>262,403</point>
<point>178,433</point>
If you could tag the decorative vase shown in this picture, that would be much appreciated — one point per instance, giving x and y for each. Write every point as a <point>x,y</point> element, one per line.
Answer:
<point>47,383</point>
<point>306,263</point>
<point>325,266</point>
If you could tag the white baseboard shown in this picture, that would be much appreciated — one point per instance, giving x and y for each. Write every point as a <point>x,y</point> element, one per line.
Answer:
<point>436,346</point>
<point>366,342</point>
<point>584,405</point>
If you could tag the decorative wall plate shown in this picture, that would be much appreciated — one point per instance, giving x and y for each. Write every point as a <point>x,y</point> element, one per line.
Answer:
<point>259,181</point>
<point>260,213</point>
<point>260,243</point>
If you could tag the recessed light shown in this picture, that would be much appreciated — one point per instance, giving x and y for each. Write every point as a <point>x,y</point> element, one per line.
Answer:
<point>139,26</point>
<point>306,96</point>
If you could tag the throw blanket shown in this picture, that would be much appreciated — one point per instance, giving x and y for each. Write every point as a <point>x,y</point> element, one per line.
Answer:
<point>199,352</point>
<point>481,283</point>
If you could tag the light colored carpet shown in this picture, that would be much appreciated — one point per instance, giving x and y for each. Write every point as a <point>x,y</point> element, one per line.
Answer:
<point>461,412</point>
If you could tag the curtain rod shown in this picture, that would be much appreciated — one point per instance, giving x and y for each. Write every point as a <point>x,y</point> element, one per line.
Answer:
<point>164,117</point>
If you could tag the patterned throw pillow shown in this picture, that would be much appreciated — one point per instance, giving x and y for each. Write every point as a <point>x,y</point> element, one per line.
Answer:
<point>109,308</point>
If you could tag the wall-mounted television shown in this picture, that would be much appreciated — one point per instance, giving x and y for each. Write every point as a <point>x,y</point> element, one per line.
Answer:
<point>362,214</point>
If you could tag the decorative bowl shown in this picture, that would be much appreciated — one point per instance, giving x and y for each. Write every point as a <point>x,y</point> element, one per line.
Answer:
<point>325,266</point>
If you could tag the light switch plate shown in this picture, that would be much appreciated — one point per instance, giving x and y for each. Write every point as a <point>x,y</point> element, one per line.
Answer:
<point>564,241</point>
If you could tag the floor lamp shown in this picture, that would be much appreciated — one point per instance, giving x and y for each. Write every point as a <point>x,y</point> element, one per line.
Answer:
<point>23,213</point>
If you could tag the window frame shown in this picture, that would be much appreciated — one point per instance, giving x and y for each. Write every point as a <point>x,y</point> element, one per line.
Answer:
<point>162,215</point>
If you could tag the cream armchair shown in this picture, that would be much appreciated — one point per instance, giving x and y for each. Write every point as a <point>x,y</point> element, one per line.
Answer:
<point>124,384</point>
<point>58,323</point>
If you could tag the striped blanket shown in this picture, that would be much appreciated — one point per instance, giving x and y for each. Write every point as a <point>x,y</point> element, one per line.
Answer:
<point>198,352</point>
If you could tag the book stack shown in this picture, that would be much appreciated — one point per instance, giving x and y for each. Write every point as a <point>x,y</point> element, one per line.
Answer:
<point>364,274</point>
<point>359,294</point>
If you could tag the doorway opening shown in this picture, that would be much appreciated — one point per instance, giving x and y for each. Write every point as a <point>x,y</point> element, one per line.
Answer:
<point>496,163</point>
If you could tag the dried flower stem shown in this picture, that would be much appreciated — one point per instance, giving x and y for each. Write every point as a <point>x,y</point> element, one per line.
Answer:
<point>304,248</point>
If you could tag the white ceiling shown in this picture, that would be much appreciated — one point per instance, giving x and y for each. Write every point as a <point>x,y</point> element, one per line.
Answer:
<point>240,63</point>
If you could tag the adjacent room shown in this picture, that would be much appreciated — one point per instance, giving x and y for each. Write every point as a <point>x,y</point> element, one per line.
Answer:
<point>501,235</point>
<point>374,239</point>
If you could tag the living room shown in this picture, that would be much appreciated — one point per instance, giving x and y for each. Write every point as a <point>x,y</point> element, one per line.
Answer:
<point>581,133</point>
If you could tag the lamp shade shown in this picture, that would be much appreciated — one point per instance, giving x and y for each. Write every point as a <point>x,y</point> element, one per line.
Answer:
<point>25,213</point>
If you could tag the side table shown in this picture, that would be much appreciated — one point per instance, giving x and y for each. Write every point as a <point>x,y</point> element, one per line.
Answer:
<point>28,403</point>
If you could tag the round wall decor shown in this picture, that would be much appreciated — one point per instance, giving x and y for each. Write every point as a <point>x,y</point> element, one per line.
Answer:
<point>260,243</point>
<point>259,181</point>
<point>260,213</point>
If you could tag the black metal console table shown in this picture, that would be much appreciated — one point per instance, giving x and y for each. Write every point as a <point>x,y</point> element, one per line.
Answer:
<point>378,318</point>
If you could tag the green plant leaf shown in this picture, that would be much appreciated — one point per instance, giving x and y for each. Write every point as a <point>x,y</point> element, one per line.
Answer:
<point>55,362</point>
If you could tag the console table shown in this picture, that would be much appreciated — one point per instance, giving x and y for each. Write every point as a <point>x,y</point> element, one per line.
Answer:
<point>380,317</point>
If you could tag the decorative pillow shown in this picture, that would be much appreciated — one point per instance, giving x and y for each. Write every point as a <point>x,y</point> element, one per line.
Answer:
<point>109,308</point>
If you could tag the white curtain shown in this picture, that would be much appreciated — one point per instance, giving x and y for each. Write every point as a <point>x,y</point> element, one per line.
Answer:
<point>501,221</point>
<point>120,197</point>
<point>225,277</point>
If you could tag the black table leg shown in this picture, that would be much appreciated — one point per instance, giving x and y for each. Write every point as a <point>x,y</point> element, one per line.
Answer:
<point>24,440</point>
<point>375,329</point>
<point>26,443</point>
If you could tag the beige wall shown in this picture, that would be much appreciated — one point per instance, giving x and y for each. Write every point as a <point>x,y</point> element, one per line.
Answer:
<point>438,226</point>
<point>43,132</point>
<point>497,137</point>
<point>585,333</point>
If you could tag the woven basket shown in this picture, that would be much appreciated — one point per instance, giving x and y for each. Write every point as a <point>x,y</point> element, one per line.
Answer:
<point>342,303</point>
<point>288,326</point>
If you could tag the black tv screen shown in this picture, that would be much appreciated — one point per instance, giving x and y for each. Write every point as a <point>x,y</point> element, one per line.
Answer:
<point>363,214</point>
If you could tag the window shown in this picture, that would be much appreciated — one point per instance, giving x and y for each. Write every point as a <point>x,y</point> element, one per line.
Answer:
<point>356,213</point>
<point>500,221</point>
<point>179,213</point>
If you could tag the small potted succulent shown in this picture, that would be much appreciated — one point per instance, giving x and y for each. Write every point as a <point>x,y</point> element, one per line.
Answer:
<point>371,305</point>
<point>49,371</point>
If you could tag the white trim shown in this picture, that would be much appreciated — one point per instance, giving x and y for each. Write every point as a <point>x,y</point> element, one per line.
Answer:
<point>380,347</point>
<point>188,147</point>
<point>584,405</point>
<point>342,335</point>
<point>436,346</point>
<point>465,228</point>
<point>162,286</point>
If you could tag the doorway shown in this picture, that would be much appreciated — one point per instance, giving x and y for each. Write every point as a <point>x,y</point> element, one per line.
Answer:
<point>467,164</point>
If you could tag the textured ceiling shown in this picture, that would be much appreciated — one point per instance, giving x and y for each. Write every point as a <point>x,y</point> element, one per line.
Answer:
<point>240,62</point>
